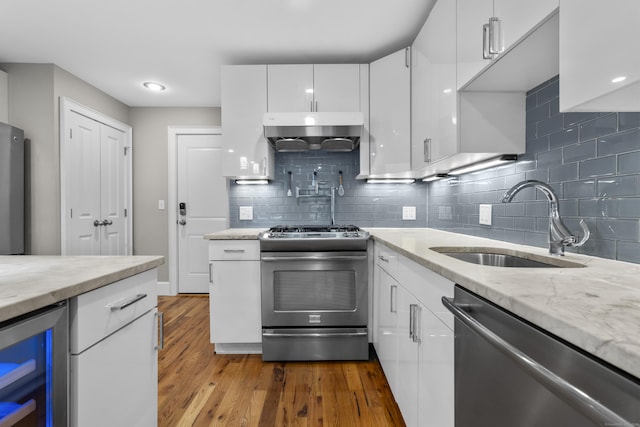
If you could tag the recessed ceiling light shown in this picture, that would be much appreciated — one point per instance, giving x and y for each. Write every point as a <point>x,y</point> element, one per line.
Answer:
<point>619,79</point>
<point>157,87</point>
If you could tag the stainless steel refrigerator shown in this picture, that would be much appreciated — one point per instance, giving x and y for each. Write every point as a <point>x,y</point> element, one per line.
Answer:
<point>11,190</point>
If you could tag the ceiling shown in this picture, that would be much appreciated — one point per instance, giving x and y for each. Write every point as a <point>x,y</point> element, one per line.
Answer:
<point>117,45</point>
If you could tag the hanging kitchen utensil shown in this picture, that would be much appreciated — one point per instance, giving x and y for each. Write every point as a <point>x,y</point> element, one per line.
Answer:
<point>340,187</point>
<point>290,179</point>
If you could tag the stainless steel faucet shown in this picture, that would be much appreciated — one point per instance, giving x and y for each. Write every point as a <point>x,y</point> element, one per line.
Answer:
<point>559,235</point>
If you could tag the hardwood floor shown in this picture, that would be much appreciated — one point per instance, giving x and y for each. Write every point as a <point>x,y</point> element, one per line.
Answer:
<point>197,387</point>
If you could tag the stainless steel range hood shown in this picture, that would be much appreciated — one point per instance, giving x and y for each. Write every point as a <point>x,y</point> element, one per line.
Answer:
<point>290,132</point>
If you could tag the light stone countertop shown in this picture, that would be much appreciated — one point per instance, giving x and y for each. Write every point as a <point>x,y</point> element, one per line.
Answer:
<point>235,234</point>
<point>28,282</point>
<point>596,308</point>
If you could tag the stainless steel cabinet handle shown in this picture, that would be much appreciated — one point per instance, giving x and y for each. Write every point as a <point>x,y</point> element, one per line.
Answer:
<point>160,316</point>
<point>407,57</point>
<point>414,322</point>
<point>233,250</point>
<point>383,258</point>
<point>558,386</point>
<point>128,302</point>
<point>316,106</point>
<point>392,301</point>
<point>210,274</point>
<point>427,150</point>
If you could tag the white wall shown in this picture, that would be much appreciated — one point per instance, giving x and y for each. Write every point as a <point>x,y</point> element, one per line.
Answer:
<point>150,180</point>
<point>34,91</point>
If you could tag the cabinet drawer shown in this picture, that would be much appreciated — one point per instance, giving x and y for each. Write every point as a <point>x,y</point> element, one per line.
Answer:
<point>387,259</point>
<point>234,250</point>
<point>97,314</point>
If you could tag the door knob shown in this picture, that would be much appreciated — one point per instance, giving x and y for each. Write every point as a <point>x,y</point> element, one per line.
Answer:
<point>97,223</point>
<point>107,222</point>
<point>182,222</point>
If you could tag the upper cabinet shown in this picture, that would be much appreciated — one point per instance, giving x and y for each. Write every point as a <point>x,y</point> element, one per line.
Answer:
<point>319,87</point>
<point>486,28</point>
<point>390,114</point>
<point>599,56</point>
<point>433,87</point>
<point>244,102</point>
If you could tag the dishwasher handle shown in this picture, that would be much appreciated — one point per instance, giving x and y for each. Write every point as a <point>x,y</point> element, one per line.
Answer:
<point>572,395</point>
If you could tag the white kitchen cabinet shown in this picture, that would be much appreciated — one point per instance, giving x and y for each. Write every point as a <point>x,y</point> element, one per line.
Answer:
<point>244,102</point>
<point>113,363</point>
<point>390,114</point>
<point>598,47</point>
<point>433,88</point>
<point>517,18</point>
<point>234,296</point>
<point>414,338</point>
<point>309,87</point>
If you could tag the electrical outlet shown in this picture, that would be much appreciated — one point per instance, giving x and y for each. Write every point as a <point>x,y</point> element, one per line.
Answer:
<point>246,213</point>
<point>485,215</point>
<point>409,213</point>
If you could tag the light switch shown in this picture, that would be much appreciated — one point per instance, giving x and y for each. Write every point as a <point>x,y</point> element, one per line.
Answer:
<point>409,213</point>
<point>246,213</point>
<point>161,204</point>
<point>485,214</point>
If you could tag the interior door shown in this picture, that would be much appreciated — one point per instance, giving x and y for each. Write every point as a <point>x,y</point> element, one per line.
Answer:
<point>112,191</point>
<point>83,186</point>
<point>202,207</point>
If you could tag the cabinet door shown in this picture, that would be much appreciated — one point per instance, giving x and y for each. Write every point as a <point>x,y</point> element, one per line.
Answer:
<point>290,87</point>
<point>433,87</point>
<point>234,294</point>
<point>435,372</point>
<point>244,102</point>
<point>336,87</point>
<point>407,393</point>
<point>115,382</point>
<point>387,348</point>
<point>390,119</point>
<point>471,16</point>
<point>598,47</point>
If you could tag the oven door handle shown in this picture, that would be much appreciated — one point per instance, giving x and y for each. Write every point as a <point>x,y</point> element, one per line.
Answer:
<point>315,258</point>
<point>555,384</point>
<point>314,334</point>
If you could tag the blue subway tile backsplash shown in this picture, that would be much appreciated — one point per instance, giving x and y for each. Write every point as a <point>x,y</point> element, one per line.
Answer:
<point>592,160</point>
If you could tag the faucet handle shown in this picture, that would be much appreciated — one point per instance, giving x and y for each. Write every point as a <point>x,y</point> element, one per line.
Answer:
<point>585,237</point>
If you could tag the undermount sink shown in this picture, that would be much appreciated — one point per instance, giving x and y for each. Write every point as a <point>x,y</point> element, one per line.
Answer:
<point>498,257</point>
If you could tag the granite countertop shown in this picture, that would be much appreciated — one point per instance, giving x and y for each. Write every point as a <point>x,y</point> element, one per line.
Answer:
<point>28,282</point>
<point>596,308</point>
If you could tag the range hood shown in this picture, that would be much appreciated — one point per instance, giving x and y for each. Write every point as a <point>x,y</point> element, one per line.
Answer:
<point>291,132</point>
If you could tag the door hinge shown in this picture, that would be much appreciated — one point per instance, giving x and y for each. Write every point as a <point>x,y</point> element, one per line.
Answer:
<point>70,133</point>
<point>126,150</point>
<point>71,213</point>
<point>125,212</point>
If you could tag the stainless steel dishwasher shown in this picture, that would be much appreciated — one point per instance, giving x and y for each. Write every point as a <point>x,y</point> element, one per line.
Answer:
<point>510,373</point>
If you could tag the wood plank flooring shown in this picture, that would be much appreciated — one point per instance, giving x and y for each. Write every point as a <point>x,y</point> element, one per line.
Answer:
<point>197,387</point>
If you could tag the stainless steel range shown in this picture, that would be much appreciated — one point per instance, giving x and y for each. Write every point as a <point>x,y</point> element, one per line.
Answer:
<point>314,293</point>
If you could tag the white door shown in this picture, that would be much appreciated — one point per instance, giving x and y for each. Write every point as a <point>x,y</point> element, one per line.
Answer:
<point>202,206</point>
<point>83,186</point>
<point>96,188</point>
<point>112,191</point>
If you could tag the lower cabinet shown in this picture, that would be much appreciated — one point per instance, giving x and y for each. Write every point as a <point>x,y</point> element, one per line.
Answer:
<point>234,296</point>
<point>413,337</point>
<point>113,362</point>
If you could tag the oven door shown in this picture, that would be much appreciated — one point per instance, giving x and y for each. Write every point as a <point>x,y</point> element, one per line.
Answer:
<point>314,289</point>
